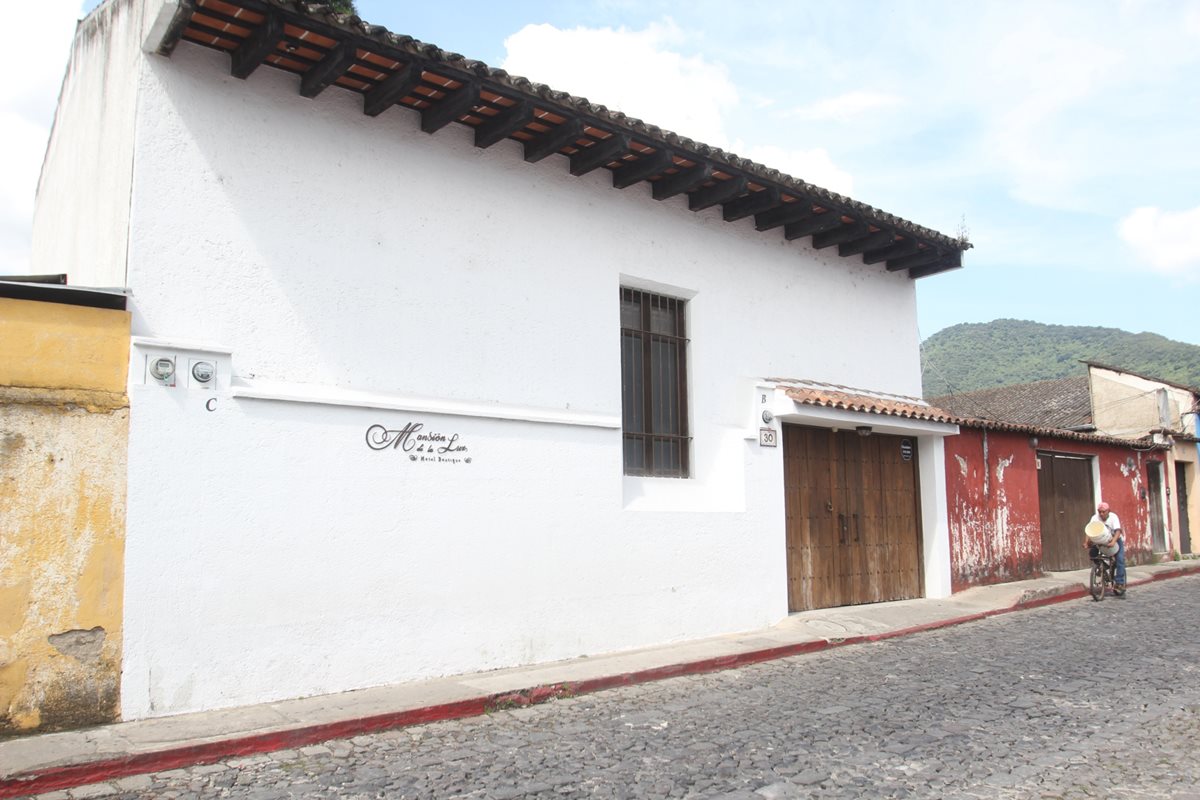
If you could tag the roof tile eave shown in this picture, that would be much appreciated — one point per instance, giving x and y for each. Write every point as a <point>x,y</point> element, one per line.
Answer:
<point>356,26</point>
<point>1143,442</point>
<point>866,404</point>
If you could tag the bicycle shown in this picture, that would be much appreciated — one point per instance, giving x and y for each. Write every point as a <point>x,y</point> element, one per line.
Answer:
<point>1104,575</point>
<point>1103,553</point>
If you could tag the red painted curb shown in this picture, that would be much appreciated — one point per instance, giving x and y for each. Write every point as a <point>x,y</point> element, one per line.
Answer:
<point>193,755</point>
<point>933,626</point>
<point>72,775</point>
<point>1177,572</point>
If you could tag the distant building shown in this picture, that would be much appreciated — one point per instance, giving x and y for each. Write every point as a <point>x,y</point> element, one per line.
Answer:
<point>1110,434</point>
<point>1126,404</point>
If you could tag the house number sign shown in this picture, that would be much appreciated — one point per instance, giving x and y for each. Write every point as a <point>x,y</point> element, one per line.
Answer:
<point>421,446</point>
<point>768,437</point>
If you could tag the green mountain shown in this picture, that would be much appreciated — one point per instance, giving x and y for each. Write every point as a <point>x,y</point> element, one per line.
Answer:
<point>972,356</point>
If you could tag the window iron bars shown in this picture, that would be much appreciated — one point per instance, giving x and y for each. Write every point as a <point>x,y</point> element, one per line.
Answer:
<point>654,385</point>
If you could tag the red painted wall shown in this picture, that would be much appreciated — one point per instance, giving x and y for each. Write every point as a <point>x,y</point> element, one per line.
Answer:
<point>992,497</point>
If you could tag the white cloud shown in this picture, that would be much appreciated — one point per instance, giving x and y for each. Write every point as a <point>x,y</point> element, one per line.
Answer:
<point>650,80</point>
<point>634,72</point>
<point>21,157</point>
<point>26,111</point>
<point>1040,81</point>
<point>1072,97</point>
<point>813,166</point>
<point>846,106</point>
<point>1191,21</point>
<point>1167,242</point>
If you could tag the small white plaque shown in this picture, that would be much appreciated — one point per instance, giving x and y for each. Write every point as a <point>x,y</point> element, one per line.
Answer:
<point>768,437</point>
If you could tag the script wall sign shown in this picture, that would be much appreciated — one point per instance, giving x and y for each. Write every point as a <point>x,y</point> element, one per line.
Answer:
<point>436,447</point>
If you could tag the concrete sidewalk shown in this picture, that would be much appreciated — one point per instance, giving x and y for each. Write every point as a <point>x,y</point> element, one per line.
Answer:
<point>60,760</point>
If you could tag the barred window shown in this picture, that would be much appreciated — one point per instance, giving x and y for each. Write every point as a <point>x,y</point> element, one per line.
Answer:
<point>654,384</point>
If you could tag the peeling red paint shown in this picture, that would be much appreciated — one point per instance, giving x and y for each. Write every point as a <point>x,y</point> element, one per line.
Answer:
<point>1122,482</point>
<point>992,498</point>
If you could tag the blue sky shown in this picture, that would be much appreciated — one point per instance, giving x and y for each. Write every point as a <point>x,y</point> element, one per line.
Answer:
<point>1061,136</point>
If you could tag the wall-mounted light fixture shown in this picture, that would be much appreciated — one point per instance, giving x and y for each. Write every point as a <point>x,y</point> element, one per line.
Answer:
<point>1033,442</point>
<point>864,430</point>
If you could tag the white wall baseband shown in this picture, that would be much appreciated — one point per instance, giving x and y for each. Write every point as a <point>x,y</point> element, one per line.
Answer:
<point>332,396</point>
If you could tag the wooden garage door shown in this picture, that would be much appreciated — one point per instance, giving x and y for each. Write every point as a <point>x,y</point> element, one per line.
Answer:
<point>1065,496</point>
<point>853,534</point>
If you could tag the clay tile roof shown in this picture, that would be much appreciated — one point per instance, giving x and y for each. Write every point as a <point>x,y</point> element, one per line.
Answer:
<point>326,48</point>
<point>1059,403</point>
<point>828,395</point>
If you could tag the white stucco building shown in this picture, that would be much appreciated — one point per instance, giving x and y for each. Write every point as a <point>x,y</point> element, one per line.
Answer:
<point>435,370</point>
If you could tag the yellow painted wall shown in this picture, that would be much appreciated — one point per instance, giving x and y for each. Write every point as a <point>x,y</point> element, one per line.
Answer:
<point>63,439</point>
<point>55,346</point>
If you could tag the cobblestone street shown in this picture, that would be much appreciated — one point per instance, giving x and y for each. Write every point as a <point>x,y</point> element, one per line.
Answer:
<point>1075,700</point>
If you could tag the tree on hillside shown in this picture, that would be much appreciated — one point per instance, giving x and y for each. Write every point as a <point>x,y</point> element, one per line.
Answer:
<point>1004,352</point>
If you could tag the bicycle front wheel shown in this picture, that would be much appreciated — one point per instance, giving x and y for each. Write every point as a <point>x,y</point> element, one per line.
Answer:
<point>1097,581</point>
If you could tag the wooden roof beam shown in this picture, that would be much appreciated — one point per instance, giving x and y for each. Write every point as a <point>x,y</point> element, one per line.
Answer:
<point>645,167</point>
<point>732,192</point>
<point>817,223</point>
<point>872,241</point>
<point>328,69</point>
<point>261,42</point>
<point>685,180</point>
<point>504,124</point>
<point>918,259</point>
<point>391,90</point>
<point>895,250</point>
<point>719,192</point>
<point>449,108</point>
<point>753,203</point>
<point>782,215</point>
<point>554,140</point>
<point>851,230</point>
<point>952,261</point>
<point>600,154</point>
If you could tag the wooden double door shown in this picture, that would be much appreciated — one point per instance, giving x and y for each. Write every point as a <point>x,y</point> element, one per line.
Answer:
<point>853,517</point>
<point>1065,499</point>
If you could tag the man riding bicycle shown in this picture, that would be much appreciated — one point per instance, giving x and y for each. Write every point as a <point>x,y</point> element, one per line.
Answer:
<point>1113,523</point>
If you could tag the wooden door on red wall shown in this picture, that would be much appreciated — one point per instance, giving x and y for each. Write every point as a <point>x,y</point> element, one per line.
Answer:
<point>852,506</point>
<point>1065,496</point>
<point>1154,485</point>
<point>1181,497</point>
